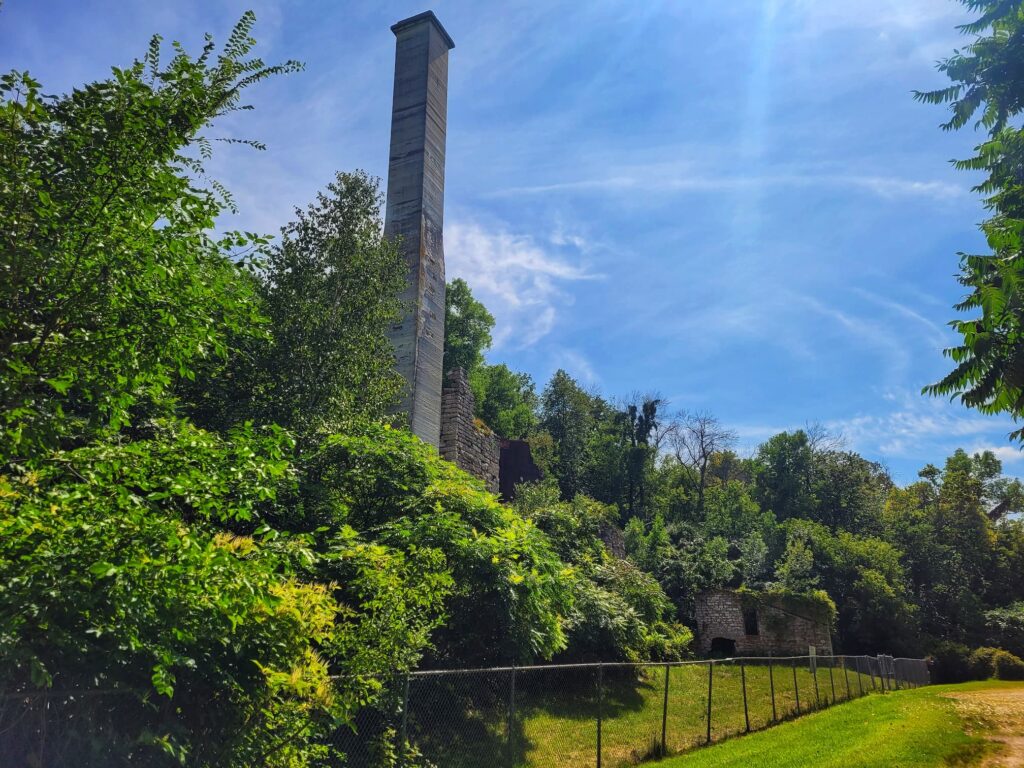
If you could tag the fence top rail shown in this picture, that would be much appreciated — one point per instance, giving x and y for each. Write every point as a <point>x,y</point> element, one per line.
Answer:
<point>623,664</point>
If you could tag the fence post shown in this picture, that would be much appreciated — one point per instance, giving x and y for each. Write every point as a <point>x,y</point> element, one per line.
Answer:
<point>846,675</point>
<point>771,684</point>
<point>796,688</point>
<point>512,716</point>
<point>405,720</point>
<point>664,713</point>
<point>814,674</point>
<point>831,677</point>
<point>743,682</point>
<point>711,677</point>
<point>860,675</point>
<point>871,674</point>
<point>600,705</point>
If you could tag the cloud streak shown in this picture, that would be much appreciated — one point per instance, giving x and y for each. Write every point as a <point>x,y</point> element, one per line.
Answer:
<point>521,281</point>
<point>886,187</point>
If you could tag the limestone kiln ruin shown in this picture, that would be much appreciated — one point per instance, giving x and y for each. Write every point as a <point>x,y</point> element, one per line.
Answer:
<point>439,412</point>
<point>415,212</point>
<point>733,623</point>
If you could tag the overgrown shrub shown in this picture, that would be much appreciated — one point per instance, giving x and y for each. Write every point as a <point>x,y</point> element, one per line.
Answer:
<point>619,612</point>
<point>509,590</point>
<point>113,578</point>
<point>996,663</point>
<point>951,663</point>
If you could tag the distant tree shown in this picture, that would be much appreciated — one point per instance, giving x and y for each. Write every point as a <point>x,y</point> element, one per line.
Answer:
<point>784,470</point>
<point>849,491</point>
<point>695,442</point>
<point>641,420</point>
<point>567,416</point>
<point>987,76</point>
<point>467,328</point>
<point>795,571</point>
<point>753,562</point>
<point>506,401</point>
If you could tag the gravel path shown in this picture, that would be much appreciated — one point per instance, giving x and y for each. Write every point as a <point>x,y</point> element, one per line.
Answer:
<point>999,715</point>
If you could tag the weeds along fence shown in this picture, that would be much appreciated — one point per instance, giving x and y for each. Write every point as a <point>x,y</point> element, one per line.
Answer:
<point>610,715</point>
<point>604,715</point>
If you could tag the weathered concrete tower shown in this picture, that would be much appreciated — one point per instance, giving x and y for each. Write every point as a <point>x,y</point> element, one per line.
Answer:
<point>415,212</point>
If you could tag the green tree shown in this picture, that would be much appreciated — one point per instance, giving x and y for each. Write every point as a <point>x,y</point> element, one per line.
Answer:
<point>567,415</point>
<point>784,470</point>
<point>696,442</point>
<point>111,285</point>
<point>986,77</point>
<point>329,290</point>
<point>506,401</point>
<point>467,328</point>
<point>795,571</point>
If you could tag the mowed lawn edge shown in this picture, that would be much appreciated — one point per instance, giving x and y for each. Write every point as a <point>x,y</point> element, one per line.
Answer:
<point>911,729</point>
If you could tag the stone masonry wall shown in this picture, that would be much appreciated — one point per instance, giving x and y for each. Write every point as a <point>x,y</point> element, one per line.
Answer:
<point>462,442</point>
<point>720,614</point>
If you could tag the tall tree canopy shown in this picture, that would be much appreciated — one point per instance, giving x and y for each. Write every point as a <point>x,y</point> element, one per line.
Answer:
<point>329,291</point>
<point>988,82</point>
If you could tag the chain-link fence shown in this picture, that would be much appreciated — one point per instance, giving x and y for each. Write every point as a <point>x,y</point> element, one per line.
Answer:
<point>603,715</point>
<point>79,728</point>
<point>610,715</point>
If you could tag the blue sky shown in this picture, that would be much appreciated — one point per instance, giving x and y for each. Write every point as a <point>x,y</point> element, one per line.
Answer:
<point>737,205</point>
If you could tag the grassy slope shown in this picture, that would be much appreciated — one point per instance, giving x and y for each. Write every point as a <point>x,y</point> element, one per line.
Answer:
<point>910,729</point>
<point>559,729</point>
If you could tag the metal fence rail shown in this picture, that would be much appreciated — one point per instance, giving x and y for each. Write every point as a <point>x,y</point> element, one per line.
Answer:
<point>556,716</point>
<point>610,715</point>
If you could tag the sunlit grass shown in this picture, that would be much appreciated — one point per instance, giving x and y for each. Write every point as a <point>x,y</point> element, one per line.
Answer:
<point>911,729</point>
<point>565,733</point>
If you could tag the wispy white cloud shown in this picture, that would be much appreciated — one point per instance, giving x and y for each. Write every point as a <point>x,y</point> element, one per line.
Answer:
<point>886,187</point>
<point>1008,454</point>
<point>910,425</point>
<point>577,365</point>
<point>520,279</point>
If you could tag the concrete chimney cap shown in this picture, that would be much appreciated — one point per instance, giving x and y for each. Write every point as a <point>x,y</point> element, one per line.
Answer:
<point>420,18</point>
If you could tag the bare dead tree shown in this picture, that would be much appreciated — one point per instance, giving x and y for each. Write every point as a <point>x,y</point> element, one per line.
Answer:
<point>821,440</point>
<point>697,438</point>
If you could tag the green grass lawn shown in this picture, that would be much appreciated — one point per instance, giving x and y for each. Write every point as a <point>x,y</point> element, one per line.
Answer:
<point>566,735</point>
<point>910,729</point>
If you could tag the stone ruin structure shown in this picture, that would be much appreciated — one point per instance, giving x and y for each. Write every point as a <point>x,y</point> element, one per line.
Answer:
<point>439,412</point>
<point>731,623</point>
<point>466,442</point>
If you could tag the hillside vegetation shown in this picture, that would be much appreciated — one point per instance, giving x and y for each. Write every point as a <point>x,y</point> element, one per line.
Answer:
<point>213,524</point>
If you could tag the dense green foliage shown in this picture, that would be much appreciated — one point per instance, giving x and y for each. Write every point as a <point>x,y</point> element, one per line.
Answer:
<point>505,400</point>
<point>467,328</point>
<point>112,286</point>
<point>204,499</point>
<point>327,289</point>
<point>988,81</point>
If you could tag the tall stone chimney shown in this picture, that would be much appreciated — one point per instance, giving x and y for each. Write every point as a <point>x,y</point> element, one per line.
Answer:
<point>415,212</point>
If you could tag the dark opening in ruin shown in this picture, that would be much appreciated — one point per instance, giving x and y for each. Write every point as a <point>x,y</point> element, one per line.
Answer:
<point>722,647</point>
<point>750,621</point>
